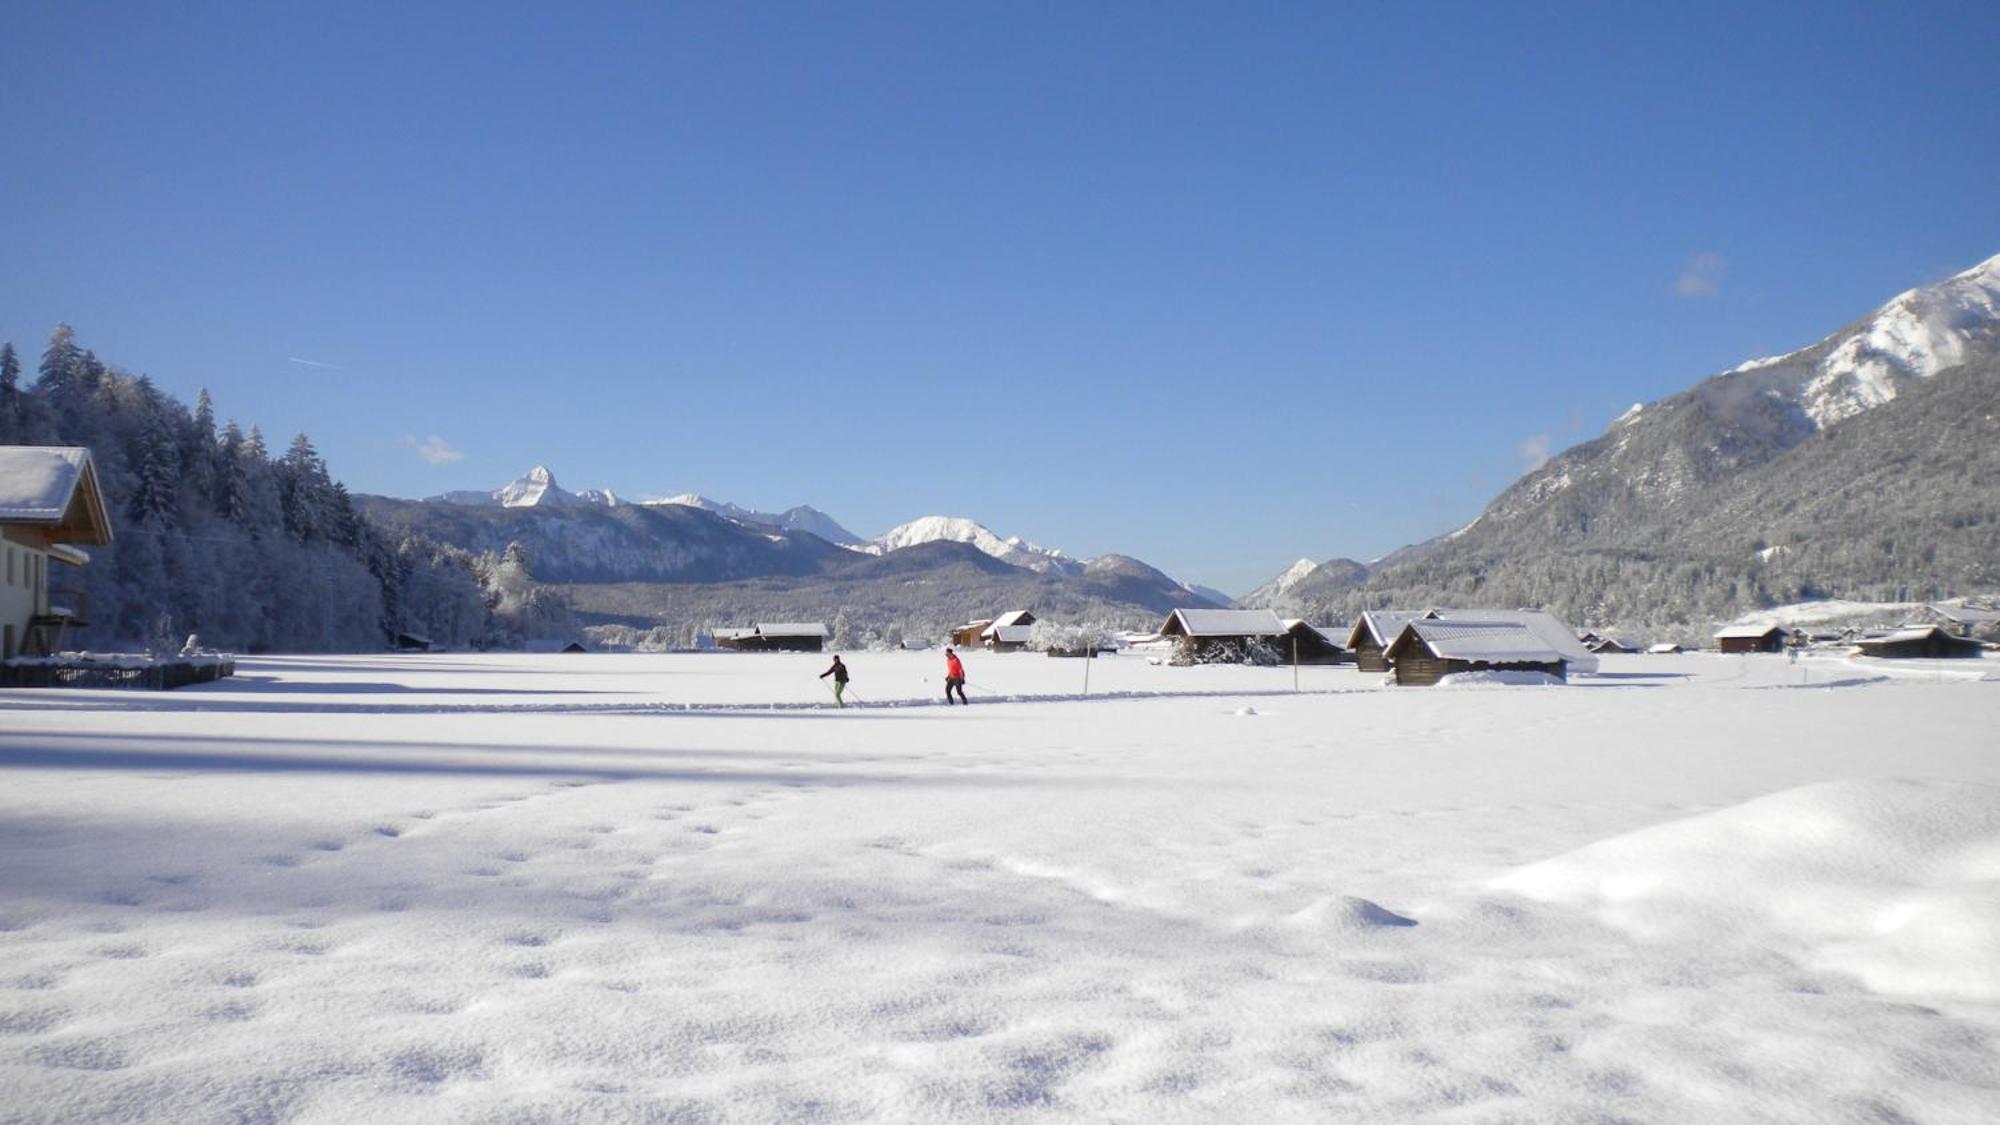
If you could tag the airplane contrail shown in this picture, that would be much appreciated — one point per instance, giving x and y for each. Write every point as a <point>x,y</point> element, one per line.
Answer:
<point>313,363</point>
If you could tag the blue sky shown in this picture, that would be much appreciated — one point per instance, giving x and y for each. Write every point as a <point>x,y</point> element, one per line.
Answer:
<point>1214,285</point>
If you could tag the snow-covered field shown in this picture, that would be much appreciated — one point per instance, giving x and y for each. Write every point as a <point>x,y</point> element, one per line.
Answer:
<point>438,888</point>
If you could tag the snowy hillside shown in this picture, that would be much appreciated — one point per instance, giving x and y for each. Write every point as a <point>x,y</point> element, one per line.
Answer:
<point>1919,333</point>
<point>1866,466</point>
<point>1013,551</point>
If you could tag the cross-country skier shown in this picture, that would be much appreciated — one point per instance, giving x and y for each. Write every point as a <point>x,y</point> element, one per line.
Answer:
<point>839,674</point>
<point>954,678</point>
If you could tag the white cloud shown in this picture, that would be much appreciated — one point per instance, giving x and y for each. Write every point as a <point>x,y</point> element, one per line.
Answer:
<point>1702,274</point>
<point>1535,451</point>
<point>434,449</point>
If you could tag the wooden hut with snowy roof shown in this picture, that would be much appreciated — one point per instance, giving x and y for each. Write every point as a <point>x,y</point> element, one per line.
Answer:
<point>968,635</point>
<point>1009,632</point>
<point>1373,632</point>
<point>50,508</point>
<point>785,636</point>
<point>1221,634</point>
<point>1751,638</point>
<point>1429,649</point>
<point>1932,641</point>
<point>1311,644</point>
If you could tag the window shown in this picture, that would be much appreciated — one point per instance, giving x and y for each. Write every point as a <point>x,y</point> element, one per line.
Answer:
<point>10,566</point>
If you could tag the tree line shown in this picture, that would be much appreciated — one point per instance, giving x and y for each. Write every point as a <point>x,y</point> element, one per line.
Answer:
<point>256,551</point>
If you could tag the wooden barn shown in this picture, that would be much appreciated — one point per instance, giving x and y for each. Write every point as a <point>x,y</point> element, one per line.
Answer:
<point>1310,644</point>
<point>1966,620</point>
<point>1009,632</point>
<point>50,505</point>
<point>774,637</point>
<point>1221,634</point>
<point>547,645</point>
<point>1931,641</point>
<point>1751,638</point>
<point>1603,645</point>
<point>1429,649</point>
<point>1374,631</point>
<point>968,635</point>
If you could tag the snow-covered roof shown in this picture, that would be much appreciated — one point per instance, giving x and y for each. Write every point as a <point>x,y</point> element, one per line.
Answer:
<point>1011,634</point>
<point>1966,615</point>
<point>1914,633</point>
<point>1384,625</point>
<point>1224,623</point>
<point>53,485</point>
<point>1745,632</point>
<point>1489,642</point>
<point>1664,647</point>
<point>730,634</point>
<point>1012,619</point>
<point>791,629</point>
<point>1387,624</point>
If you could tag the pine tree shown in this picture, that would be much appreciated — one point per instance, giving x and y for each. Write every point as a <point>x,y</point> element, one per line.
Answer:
<point>156,503</point>
<point>200,460</point>
<point>13,411</point>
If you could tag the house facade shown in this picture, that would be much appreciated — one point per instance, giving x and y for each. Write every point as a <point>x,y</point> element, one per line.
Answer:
<point>50,508</point>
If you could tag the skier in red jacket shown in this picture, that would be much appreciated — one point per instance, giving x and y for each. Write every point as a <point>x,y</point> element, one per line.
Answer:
<point>954,678</point>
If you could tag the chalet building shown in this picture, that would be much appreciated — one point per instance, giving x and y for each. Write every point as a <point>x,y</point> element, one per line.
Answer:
<point>1603,645</point>
<point>1310,644</point>
<point>50,506</point>
<point>775,637</point>
<point>1377,628</point>
<point>1208,634</point>
<point>1008,632</point>
<point>1751,638</point>
<point>1922,641</point>
<point>1429,649</point>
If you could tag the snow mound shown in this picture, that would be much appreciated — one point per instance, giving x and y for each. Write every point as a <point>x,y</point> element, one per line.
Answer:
<point>1894,882</point>
<point>1509,677</point>
<point>1346,914</point>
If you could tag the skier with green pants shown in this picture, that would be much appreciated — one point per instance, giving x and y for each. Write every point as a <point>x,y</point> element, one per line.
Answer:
<point>839,674</point>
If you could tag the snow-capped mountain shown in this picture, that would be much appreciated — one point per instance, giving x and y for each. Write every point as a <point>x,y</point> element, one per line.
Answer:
<point>1277,587</point>
<point>1866,465</point>
<point>1919,333</point>
<point>535,488</point>
<point>801,518</point>
<point>1013,551</point>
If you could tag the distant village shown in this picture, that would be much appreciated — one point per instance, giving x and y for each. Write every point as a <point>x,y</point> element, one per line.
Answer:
<point>52,509</point>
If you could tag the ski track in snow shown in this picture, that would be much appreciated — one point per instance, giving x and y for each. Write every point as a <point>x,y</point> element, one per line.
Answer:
<point>1192,895</point>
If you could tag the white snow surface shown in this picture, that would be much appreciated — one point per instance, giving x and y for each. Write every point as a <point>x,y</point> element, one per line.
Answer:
<point>451,887</point>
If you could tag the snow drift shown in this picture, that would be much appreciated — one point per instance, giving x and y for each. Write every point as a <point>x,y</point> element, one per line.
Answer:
<point>1895,882</point>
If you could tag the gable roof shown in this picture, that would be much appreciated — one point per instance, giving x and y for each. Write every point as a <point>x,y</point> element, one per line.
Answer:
<point>1385,625</point>
<point>1918,633</point>
<point>1746,632</point>
<point>1489,642</point>
<point>1012,619</point>
<point>1012,634</point>
<point>53,486</point>
<point>1222,623</point>
<point>1966,615</point>
<point>791,629</point>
